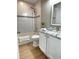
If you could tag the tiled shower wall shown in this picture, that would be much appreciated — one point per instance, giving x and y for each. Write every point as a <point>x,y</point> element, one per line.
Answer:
<point>38,19</point>
<point>24,24</point>
<point>24,7</point>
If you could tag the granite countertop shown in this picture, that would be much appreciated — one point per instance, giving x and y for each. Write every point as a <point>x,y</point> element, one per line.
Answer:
<point>52,33</point>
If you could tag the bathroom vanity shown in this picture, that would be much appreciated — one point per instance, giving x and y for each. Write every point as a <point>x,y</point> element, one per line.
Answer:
<point>50,44</point>
<point>50,40</point>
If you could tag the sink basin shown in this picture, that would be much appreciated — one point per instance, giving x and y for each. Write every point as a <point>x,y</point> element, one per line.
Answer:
<point>54,33</point>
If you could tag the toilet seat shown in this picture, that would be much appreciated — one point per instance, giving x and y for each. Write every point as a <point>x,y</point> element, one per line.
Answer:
<point>35,37</point>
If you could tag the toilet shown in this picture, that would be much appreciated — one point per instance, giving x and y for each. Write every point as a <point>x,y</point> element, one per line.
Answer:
<point>35,39</point>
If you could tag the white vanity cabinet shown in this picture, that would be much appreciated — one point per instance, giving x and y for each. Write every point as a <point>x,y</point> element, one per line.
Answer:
<point>53,48</point>
<point>42,42</point>
<point>50,45</point>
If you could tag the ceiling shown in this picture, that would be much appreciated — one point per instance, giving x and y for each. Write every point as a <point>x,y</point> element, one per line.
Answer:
<point>31,1</point>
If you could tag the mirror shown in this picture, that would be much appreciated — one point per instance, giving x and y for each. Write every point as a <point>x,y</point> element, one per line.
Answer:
<point>56,14</point>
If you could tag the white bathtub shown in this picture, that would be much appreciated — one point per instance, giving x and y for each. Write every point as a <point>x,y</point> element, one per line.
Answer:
<point>24,39</point>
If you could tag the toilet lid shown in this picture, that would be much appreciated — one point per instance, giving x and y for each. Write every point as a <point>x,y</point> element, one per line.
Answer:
<point>35,36</point>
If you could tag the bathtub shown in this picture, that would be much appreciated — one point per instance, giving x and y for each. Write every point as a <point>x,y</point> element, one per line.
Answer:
<point>24,38</point>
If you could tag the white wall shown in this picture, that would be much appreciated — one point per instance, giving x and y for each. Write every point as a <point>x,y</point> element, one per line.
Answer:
<point>45,12</point>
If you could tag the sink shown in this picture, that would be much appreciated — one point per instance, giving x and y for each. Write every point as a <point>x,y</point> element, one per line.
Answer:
<point>54,33</point>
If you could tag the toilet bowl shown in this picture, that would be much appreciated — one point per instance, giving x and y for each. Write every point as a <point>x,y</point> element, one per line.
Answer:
<point>35,39</point>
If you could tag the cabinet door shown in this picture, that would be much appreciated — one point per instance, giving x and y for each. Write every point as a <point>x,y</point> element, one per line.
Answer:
<point>53,48</point>
<point>42,42</point>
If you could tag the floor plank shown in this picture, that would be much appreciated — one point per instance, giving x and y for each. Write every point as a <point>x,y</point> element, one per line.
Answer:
<point>27,51</point>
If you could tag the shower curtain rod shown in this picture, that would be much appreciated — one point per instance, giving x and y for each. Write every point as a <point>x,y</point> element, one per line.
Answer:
<point>28,16</point>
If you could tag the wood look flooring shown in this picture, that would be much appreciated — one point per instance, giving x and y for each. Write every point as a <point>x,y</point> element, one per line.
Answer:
<point>27,51</point>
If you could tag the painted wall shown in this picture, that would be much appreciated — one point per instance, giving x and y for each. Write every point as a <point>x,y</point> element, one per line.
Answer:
<point>45,12</point>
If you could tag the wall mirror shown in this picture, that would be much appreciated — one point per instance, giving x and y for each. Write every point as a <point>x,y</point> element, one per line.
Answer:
<point>56,14</point>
